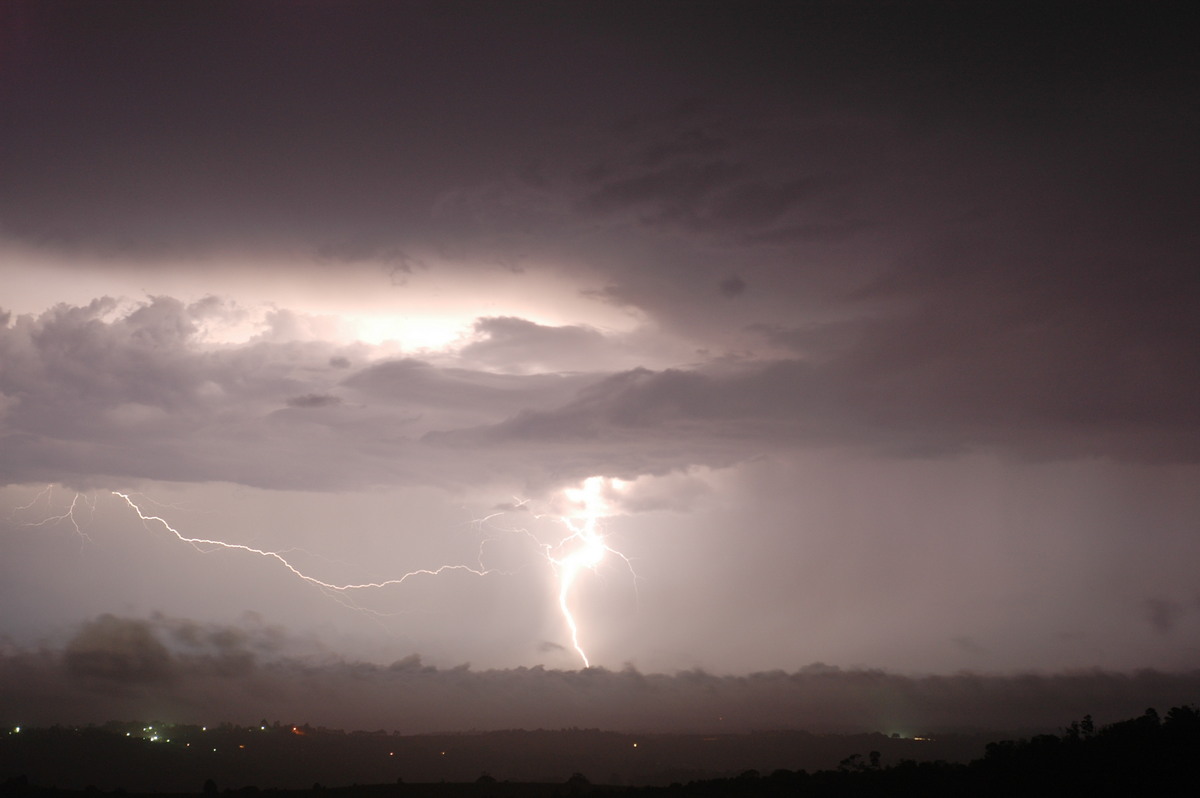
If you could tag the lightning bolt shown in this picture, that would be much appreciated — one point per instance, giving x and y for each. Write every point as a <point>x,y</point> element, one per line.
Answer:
<point>69,515</point>
<point>583,548</point>
<point>200,543</point>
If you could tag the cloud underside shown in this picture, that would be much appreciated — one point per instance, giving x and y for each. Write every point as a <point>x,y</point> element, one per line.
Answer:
<point>181,671</point>
<point>884,239</point>
<point>85,396</point>
<point>103,394</point>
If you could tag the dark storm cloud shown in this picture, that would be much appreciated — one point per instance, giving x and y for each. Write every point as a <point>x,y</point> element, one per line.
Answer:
<point>939,402</point>
<point>413,697</point>
<point>808,232</point>
<point>314,400</point>
<point>421,384</point>
<point>514,343</point>
<point>896,234</point>
<point>805,147</point>
<point>106,391</point>
<point>745,180</point>
<point>720,197</point>
<point>118,650</point>
<point>247,639</point>
<point>1163,614</point>
<point>666,194</point>
<point>215,649</point>
<point>732,287</point>
<point>691,141</point>
<point>761,203</point>
<point>132,391</point>
<point>113,650</point>
<point>968,645</point>
<point>146,127</point>
<point>338,125</point>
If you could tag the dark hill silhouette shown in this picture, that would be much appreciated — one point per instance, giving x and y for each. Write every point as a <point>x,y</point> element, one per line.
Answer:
<point>294,757</point>
<point>1144,756</point>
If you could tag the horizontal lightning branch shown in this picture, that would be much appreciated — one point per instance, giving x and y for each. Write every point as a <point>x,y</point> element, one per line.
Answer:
<point>197,542</point>
<point>584,547</point>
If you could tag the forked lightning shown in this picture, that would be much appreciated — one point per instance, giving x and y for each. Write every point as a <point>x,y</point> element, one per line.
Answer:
<point>583,548</point>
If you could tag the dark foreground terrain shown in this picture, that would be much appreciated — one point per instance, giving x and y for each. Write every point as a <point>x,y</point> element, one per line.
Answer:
<point>1144,756</point>
<point>180,759</point>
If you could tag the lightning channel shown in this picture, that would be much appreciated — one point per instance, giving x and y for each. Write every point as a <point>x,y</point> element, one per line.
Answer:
<point>200,543</point>
<point>584,547</point>
<point>69,515</point>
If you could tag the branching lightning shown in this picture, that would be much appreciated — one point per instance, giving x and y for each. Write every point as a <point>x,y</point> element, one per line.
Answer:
<point>69,515</point>
<point>201,543</point>
<point>583,548</point>
<point>584,545</point>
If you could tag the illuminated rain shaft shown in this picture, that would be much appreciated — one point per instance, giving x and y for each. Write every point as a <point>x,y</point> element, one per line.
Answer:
<point>585,547</point>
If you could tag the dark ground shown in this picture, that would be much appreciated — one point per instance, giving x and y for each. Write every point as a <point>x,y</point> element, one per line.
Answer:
<point>287,757</point>
<point>1144,756</point>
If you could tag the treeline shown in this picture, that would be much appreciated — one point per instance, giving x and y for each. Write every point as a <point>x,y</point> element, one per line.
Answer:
<point>1148,756</point>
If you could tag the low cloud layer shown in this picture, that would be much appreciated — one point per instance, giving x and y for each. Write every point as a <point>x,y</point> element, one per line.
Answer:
<point>176,671</point>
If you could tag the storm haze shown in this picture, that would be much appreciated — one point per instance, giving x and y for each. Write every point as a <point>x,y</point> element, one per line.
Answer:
<point>824,364</point>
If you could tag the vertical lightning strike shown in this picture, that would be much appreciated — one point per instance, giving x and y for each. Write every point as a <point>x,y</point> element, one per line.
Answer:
<point>583,548</point>
<point>586,548</point>
<point>588,554</point>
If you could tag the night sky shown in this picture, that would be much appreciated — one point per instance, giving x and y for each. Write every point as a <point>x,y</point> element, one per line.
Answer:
<point>864,337</point>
